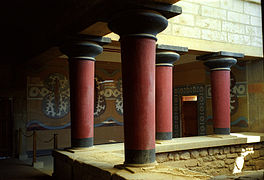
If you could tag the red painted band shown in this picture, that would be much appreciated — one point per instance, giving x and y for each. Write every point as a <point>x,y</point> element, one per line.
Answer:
<point>138,73</point>
<point>163,99</point>
<point>82,98</point>
<point>220,82</point>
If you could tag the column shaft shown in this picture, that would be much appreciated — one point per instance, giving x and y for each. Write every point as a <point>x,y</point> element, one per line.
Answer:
<point>82,102</point>
<point>138,73</point>
<point>220,83</point>
<point>164,102</point>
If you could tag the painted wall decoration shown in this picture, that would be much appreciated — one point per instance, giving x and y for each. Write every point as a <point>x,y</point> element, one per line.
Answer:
<point>109,101</point>
<point>238,98</point>
<point>56,104</point>
<point>189,90</point>
<point>48,98</point>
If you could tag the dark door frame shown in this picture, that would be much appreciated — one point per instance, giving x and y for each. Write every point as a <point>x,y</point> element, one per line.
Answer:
<point>189,90</point>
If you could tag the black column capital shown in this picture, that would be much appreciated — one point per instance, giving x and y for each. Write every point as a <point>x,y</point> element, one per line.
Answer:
<point>221,60</point>
<point>84,46</point>
<point>138,22</point>
<point>167,55</point>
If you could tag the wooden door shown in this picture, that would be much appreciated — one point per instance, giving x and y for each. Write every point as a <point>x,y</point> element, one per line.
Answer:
<point>189,118</point>
<point>5,127</point>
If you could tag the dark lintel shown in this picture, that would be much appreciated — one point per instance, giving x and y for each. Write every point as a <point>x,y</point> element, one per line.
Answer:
<point>97,39</point>
<point>219,55</point>
<point>178,49</point>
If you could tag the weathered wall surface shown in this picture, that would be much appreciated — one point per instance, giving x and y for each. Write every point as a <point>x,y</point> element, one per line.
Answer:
<point>217,160</point>
<point>255,78</point>
<point>48,104</point>
<point>232,25</point>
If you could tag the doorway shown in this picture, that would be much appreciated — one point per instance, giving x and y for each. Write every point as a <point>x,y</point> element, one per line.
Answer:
<point>6,127</point>
<point>189,116</point>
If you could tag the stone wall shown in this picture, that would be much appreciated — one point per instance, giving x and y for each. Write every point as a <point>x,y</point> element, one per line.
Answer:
<point>230,21</point>
<point>217,160</point>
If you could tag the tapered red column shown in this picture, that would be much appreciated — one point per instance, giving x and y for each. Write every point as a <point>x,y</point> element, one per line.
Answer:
<point>165,57</point>
<point>138,49</point>
<point>82,52</point>
<point>220,64</point>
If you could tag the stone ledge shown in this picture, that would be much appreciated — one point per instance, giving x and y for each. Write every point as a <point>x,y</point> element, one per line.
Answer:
<point>198,142</point>
<point>99,162</point>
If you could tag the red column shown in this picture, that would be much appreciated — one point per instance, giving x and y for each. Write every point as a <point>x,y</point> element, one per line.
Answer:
<point>137,30</point>
<point>164,76</point>
<point>82,102</point>
<point>220,64</point>
<point>138,75</point>
<point>220,88</point>
<point>82,51</point>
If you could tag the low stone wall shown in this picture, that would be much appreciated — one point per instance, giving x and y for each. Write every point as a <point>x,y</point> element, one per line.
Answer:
<point>217,160</point>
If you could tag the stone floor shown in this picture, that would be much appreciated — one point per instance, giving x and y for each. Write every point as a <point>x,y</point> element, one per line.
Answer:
<point>14,169</point>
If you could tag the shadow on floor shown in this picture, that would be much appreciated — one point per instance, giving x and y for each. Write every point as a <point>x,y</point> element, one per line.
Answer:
<point>14,169</point>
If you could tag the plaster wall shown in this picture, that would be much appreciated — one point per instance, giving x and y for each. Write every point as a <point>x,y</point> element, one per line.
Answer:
<point>213,25</point>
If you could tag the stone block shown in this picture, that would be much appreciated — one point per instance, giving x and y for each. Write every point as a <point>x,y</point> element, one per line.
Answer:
<point>191,163</point>
<point>233,27</point>
<point>176,157</point>
<point>252,9</point>
<point>214,35</point>
<point>214,3</point>
<point>247,168</point>
<point>226,150</point>
<point>220,157</point>
<point>224,171</point>
<point>208,23</point>
<point>231,156</point>
<point>195,154</point>
<point>261,152</point>
<point>239,39</point>
<point>200,162</point>
<point>256,41</point>
<point>229,161</point>
<point>255,155</point>
<point>254,31</point>
<point>186,31</point>
<point>208,158</point>
<point>255,21</point>
<point>216,151</point>
<point>185,155</point>
<point>231,167</point>
<point>251,162</point>
<point>211,151</point>
<point>221,150</point>
<point>162,157</point>
<point>213,12</point>
<point>234,5</point>
<point>171,156</point>
<point>184,19</point>
<point>238,149</point>
<point>258,145</point>
<point>218,164</point>
<point>232,149</point>
<point>238,17</point>
<point>203,152</point>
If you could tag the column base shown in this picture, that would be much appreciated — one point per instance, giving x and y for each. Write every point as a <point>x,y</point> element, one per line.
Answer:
<point>163,135</point>
<point>222,131</point>
<point>139,157</point>
<point>82,143</point>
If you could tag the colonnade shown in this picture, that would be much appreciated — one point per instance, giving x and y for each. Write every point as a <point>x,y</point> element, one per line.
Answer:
<point>147,73</point>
